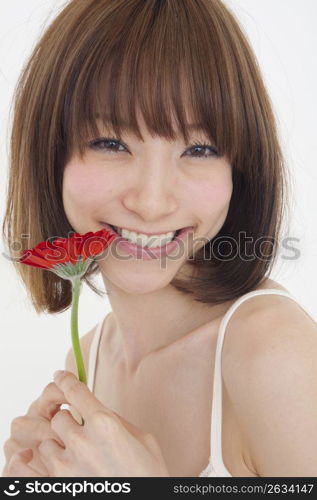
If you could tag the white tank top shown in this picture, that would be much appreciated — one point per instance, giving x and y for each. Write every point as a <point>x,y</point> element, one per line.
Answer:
<point>215,467</point>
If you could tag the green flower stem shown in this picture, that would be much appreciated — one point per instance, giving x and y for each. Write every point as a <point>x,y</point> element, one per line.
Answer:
<point>76,285</point>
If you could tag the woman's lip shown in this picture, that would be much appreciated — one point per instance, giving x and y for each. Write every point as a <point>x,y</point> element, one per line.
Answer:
<point>148,253</point>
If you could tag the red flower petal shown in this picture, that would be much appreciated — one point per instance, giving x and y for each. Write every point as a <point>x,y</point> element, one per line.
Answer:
<point>48,254</point>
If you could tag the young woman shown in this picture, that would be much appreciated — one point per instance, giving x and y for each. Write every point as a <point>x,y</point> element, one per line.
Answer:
<point>150,118</point>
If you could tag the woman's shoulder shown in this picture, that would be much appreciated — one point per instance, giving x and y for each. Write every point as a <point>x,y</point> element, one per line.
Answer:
<point>260,309</point>
<point>264,320</point>
<point>264,328</point>
<point>272,314</point>
<point>264,302</point>
<point>266,333</point>
<point>268,361</point>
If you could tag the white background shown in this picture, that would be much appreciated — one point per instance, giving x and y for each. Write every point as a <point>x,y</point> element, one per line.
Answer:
<point>283,35</point>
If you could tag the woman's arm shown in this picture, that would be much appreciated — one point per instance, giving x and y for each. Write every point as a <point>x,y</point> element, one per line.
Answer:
<point>274,390</point>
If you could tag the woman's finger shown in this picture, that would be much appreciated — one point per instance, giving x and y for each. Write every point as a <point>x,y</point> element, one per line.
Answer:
<point>51,454</point>
<point>48,403</point>
<point>64,426</point>
<point>30,431</point>
<point>78,394</point>
<point>49,448</point>
<point>10,447</point>
<point>18,465</point>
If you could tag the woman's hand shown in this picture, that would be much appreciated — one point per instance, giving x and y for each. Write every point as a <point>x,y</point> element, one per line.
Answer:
<point>106,445</point>
<point>28,431</point>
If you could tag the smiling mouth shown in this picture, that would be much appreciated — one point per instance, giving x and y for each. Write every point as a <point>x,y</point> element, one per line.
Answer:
<point>115,230</point>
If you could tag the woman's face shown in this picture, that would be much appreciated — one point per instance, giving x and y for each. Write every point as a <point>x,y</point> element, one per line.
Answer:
<point>155,186</point>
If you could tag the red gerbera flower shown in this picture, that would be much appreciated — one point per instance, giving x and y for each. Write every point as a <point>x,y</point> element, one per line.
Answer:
<point>70,259</point>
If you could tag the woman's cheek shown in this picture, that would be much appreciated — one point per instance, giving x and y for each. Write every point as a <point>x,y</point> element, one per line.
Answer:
<point>81,197</point>
<point>214,197</point>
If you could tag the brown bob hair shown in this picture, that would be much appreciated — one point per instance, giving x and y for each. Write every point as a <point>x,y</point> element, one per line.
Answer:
<point>105,58</point>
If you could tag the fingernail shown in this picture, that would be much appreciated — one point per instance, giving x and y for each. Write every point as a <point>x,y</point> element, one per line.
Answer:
<point>57,373</point>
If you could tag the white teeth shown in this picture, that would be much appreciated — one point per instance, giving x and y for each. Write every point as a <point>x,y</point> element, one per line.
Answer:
<point>146,241</point>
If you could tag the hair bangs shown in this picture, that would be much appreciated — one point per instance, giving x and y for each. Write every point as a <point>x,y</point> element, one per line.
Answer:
<point>153,71</point>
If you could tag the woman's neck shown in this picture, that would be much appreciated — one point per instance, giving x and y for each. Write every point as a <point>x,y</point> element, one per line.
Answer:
<point>143,324</point>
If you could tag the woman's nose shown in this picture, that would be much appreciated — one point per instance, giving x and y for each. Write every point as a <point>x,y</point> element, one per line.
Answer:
<point>152,195</point>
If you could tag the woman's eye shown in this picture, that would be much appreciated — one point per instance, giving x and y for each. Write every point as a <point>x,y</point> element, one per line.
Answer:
<point>199,150</point>
<point>110,145</point>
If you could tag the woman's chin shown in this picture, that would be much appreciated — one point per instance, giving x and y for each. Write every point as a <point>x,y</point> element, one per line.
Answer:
<point>137,282</point>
